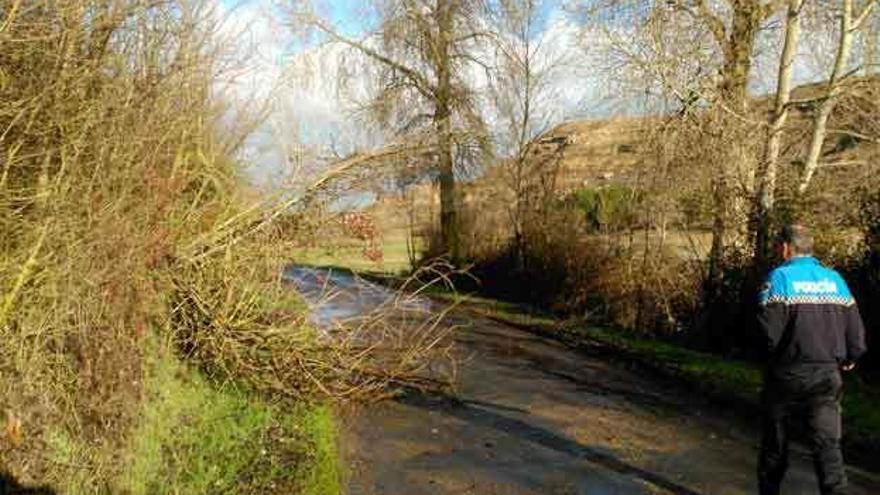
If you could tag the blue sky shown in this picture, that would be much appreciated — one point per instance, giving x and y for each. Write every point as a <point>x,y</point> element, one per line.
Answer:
<point>352,17</point>
<point>349,16</point>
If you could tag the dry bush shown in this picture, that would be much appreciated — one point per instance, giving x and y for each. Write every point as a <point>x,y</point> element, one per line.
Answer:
<point>123,217</point>
<point>109,164</point>
<point>118,187</point>
<point>862,270</point>
<point>629,280</point>
<point>237,316</point>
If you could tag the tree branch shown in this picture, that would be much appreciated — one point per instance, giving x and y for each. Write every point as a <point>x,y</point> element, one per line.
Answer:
<point>703,13</point>
<point>714,23</point>
<point>860,19</point>
<point>857,135</point>
<point>418,80</point>
<point>843,163</point>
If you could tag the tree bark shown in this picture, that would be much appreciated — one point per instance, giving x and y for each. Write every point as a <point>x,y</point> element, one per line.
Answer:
<point>449,226</point>
<point>737,48</point>
<point>848,28</point>
<point>766,193</point>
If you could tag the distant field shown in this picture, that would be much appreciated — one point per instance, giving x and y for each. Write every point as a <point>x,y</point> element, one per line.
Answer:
<point>689,245</point>
<point>349,255</point>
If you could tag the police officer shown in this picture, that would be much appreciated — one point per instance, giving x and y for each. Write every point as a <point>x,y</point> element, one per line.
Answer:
<point>813,331</point>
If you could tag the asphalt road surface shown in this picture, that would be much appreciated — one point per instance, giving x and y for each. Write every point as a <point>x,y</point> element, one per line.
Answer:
<point>532,416</point>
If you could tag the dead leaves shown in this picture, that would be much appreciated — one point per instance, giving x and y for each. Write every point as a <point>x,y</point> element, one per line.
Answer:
<point>12,436</point>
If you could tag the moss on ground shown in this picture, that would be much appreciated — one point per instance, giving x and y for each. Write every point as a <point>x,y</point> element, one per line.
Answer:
<point>195,438</point>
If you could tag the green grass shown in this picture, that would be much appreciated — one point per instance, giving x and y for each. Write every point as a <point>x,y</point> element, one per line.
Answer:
<point>394,250</point>
<point>322,475</point>
<point>740,379</point>
<point>195,438</point>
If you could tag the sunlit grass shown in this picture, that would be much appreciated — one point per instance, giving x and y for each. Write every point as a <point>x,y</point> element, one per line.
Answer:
<point>194,438</point>
<point>348,255</point>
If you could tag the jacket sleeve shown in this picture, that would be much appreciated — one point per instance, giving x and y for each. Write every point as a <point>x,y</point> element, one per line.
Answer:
<point>773,312</point>
<point>855,334</point>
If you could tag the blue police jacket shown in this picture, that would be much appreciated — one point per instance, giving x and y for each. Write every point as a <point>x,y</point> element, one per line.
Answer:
<point>808,315</point>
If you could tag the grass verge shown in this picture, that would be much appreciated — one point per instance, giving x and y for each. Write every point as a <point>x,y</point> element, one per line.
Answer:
<point>195,438</point>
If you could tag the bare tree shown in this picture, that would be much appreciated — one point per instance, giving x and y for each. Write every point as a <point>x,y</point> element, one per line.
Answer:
<point>700,53</point>
<point>850,23</point>
<point>765,193</point>
<point>734,25</point>
<point>527,61</point>
<point>736,177</point>
<point>425,52</point>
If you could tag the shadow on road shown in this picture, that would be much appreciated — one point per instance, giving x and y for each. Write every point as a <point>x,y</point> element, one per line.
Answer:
<point>10,486</point>
<point>484,414</point>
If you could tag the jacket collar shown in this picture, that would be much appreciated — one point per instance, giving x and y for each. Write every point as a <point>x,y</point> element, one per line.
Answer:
<point>802,260</point>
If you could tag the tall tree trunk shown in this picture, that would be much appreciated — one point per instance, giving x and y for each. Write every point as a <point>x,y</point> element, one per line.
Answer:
<point>719,227</point>
<point>522,203</point>
<point>449,226</point>
<point>737,48</point>
<point>766,194</point>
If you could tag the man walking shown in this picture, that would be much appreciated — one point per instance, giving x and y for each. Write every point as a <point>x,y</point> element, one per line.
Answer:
<point>813,331</point>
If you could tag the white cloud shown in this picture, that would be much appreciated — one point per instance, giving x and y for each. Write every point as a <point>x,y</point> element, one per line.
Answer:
<point>296,91</point>
<point>312,103</point>
<point>255,43</point>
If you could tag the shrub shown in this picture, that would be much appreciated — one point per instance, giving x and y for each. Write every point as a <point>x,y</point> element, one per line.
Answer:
<point>863,272</point>
<point>644,288</point>
<point>122,215</point>
<point>608,209</point>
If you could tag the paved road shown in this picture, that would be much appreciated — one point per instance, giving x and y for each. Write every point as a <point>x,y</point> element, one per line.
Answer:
<point>534,417</point>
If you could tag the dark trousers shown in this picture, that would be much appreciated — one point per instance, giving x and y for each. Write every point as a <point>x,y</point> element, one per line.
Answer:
<point>810,394</point>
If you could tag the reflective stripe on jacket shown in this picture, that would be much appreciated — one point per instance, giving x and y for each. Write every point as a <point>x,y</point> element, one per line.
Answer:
<point>808,315</point>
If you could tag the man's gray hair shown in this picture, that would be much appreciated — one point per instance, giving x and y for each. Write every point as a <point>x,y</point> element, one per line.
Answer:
<point>798,237</point>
